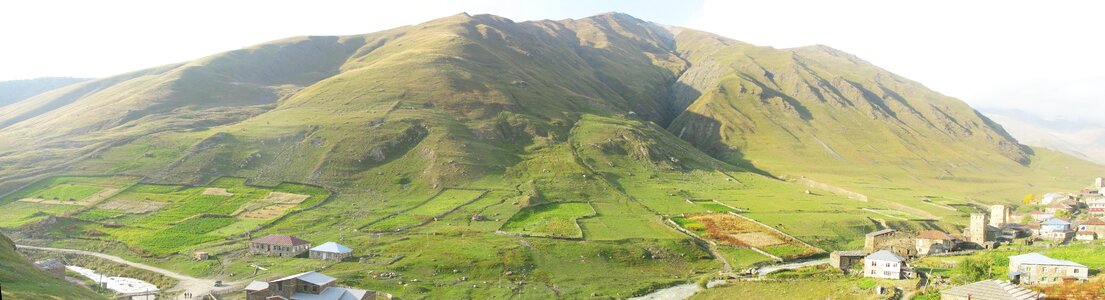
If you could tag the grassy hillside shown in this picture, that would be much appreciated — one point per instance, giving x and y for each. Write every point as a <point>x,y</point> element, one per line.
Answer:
<point>20,279</point>
<point>15,90</point>
<point>537,159</point>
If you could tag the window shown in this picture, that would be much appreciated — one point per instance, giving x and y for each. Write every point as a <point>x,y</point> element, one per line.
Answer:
<point>887,273</point>
<point>872,272</point>
<point>874,264</point>
<point>1075,271</point>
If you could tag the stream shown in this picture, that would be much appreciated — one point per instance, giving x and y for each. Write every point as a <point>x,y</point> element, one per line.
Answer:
<point>122,285</point>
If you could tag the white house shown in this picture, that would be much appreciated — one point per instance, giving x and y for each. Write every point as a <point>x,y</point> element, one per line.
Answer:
<point>1052,197</point>
<point>331,251</point>
<point>1096,206</point>
<point>884,264</point>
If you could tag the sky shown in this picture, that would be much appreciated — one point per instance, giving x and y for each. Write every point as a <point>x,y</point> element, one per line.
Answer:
<point>1044,57</point>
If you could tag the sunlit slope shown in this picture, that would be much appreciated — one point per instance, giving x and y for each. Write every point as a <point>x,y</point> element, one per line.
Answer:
<point>23,280</point>
<point>830,116</point>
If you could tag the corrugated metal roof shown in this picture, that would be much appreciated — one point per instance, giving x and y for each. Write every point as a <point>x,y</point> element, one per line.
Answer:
<point>992,289</point>
<point>1054,221</point>
<point>1040,259</point>
<point>884,255</point>
<point>281,240</point>
<point>332,247</point>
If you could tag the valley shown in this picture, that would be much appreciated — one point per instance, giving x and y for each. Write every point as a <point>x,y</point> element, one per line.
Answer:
<point>478,157</point>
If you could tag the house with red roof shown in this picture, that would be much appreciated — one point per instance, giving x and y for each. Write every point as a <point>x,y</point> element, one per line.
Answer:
<point>279,245</point>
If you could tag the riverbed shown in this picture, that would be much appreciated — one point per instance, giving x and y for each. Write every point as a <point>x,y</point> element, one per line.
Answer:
<point>122,285</point>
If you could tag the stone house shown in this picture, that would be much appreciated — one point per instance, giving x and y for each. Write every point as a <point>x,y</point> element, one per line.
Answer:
<point>900,243</point>
<point>933,242</point>
<point>1095,225</point>
<point>989,289</point>
<point>844,260</point>
<point>884,264</point>
<point>1035,268</point>
<point>331,251</point>
<point>305,286</point>
<point>279,245</point>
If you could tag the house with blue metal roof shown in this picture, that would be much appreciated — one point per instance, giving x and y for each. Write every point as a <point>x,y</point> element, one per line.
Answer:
<point>331,251</point>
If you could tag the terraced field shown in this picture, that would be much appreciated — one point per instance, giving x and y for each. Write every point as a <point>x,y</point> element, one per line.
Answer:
<point>552,220</point>
<point>159,219</point>
<point>448,200</point>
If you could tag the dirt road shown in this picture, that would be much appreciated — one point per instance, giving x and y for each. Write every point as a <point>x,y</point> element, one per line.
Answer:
<point>186,284</point>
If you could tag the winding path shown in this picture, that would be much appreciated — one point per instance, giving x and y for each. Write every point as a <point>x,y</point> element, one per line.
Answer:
<point>185,284</point>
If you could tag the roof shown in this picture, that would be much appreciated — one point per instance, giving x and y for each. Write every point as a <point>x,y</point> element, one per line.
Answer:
<point>884,255</point>
<point>1059,205</point>
<point>1094,221</point>
<point>1054,221</point>
<point>257,286</point>
<point>1036,212</point>
<point>991,289</point>
<point>881,232</point>
<point>314,278</point>
<point>281,240</point>
<point>332,247</point>
<point>934,235</point>
<point>1040,259</point>
<point>333,293</point>
<point>849,253</point>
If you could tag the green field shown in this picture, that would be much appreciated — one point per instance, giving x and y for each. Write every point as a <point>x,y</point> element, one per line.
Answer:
<point>552,219</point>
<point>182,217</point>
<point>444,202</point>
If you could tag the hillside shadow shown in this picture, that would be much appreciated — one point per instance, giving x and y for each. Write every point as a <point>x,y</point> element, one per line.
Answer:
<point>704,133</point>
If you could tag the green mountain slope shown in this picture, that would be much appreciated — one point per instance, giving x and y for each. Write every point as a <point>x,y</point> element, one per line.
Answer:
<point>20,279</point>
<point>580,139</point>
<point>15,90</point>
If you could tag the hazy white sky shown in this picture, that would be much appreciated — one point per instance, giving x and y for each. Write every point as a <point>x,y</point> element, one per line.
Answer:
<point>1042,56</point>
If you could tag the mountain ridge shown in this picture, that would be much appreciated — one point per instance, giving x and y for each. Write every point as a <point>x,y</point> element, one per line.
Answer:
<point>632,123</point>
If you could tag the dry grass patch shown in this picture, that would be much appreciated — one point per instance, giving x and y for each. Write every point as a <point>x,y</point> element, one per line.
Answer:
<point>758,239</point>
<point>217,192</point>
<point>104,194</point>
<point>274,205</point>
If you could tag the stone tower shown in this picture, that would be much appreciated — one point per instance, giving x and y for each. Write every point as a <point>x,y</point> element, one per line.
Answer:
<point>1099,182</point>
<point>977,232</point>
<point>999,216</point>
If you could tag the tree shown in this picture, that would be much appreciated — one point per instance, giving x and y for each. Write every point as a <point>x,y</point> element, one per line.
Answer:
<point>1029,198</point>
<point>975,269</point>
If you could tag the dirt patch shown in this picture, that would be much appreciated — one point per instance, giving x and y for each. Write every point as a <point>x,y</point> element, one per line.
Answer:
<point>267,212</point>
<point>757,239</point>
<point>286,198</point>
<point>97,197</point>
<point>274,205</point>
<point>133,206</point>
<point>217,192</point>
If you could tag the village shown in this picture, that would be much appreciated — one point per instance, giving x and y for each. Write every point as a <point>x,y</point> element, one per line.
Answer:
<point>1056,220</point>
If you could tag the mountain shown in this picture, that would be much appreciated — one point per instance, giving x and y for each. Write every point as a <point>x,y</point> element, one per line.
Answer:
<point>21,279</point>
<point>14,90</point>
<point>611,124</point>
<point>1079,139</point>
